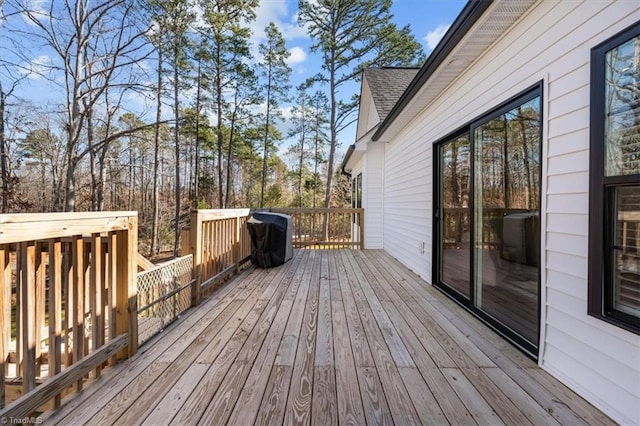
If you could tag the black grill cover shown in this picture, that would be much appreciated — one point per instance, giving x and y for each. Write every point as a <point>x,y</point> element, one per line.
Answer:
<point>271,239</point>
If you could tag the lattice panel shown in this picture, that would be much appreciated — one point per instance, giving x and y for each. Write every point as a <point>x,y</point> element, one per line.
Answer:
<point>163,294</point>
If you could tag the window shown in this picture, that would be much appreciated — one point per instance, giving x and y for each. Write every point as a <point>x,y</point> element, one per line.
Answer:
<point>614,219</point>
<point>356,192</point>
<point>356,195</point>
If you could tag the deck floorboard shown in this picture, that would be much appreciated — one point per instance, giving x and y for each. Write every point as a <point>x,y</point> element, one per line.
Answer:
<point>331,337</point>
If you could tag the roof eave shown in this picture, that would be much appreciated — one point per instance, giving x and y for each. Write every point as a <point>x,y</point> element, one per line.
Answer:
<point>353,148</point>
<point>469,15</point>
<point>346,159</point>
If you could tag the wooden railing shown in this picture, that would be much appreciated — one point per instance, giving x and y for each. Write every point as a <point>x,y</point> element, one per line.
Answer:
<point>67,305</point>
<point>456,225</point>
<point>221,246</point>
<point>69,296</point>
<point>220,243</point>
<point>326,228</point>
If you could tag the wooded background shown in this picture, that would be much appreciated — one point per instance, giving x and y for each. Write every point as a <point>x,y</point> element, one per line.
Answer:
<point>215,138</point>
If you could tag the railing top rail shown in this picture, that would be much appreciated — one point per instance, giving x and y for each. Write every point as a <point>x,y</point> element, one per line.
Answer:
<point>214,214</point>
<point>38,226</point>
<point>316,210</point>
<point>186,258</point>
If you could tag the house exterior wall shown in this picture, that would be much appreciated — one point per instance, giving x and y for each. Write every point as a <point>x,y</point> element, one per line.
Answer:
<point>373,200</point>
<point>367,115</point>
<point>359,167</point>
<point>371,165</point>
<point>551,43</point>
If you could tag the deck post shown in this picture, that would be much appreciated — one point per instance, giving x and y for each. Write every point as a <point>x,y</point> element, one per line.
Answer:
<point>126,292</point>
<point>195,237</point>
<point>361,222</point>
<point>5,304</point>
<point>236,243</point>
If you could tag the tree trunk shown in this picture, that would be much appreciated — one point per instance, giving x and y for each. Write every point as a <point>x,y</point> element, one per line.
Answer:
<point>156,159</point>
<point>301,162</point>
<point>176,135</point>
<point>75,120</point>
<point>315,162</point>
<point>103,178</point>
<point>531,204</point>
<point>70,184</point>
<point>332,148</point>
<point>265,157</point>
<point>4,175</point>
<point>219,127</point>
<point>227,196</point>
<point>196,184</point>
<point>92,160</point>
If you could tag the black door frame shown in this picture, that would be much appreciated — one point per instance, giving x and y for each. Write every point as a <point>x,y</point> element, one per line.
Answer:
<point>521,343</point>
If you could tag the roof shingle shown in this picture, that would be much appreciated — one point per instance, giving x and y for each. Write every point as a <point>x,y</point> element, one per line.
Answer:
<point>387,85</point>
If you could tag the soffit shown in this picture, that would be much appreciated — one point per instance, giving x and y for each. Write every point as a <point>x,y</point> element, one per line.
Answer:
<point>498,18</point>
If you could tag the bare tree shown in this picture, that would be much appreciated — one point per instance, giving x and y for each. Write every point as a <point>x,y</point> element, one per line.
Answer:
<point>4,150</point>
<point>92,42</point>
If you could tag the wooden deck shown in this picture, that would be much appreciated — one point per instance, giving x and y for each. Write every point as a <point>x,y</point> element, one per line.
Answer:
<point>333,336</point>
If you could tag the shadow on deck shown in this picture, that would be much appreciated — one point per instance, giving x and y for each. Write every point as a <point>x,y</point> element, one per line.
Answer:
<point>333,336</point>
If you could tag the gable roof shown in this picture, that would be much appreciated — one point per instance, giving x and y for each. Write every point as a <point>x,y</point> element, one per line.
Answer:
<point>387,84</point>
<point>480,23</point>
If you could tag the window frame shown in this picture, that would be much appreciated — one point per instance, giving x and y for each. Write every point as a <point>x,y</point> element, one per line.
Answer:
<point>601,191</point>
<point>359,191</point>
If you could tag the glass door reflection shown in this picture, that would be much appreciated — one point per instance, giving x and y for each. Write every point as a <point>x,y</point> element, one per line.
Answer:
<point>454,216</point>
<point>507,218</point>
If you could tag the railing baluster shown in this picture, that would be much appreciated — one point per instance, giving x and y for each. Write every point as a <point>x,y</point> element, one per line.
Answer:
<point>77,315</point>
<point>40,284</point>
<point>55,311</point>
<point>5,306</point>
<point>112,247</point>
<point>20,265</point>
<point>67,272</point>
<point>27,310</point>
<point>95,294</point>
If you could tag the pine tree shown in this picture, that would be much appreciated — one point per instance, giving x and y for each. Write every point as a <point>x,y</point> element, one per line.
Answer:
<point>226,26</point>
<point>275,74</point>
<point>350,34</point>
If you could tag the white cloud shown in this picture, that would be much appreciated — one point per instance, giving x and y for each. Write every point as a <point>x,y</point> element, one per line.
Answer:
<point>37,9</point>
<point>287,112</point>
<point>433,37</point>
<point>37,67</point>
<point>297,55</point>
<point>277,12</point>
<point>293,30</point>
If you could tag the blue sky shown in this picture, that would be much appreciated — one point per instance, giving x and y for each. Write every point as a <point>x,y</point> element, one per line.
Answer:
<point>428,20</point>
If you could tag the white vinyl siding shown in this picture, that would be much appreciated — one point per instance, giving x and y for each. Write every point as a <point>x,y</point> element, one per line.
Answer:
<point>408,206</point>
<point>551,42</point>
<point>374,195</point>
<point>367,115</point>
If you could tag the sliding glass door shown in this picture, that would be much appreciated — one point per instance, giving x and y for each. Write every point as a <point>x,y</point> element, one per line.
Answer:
<point>488,217</point>
<point>455,157</point>
<point>507,218</point>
